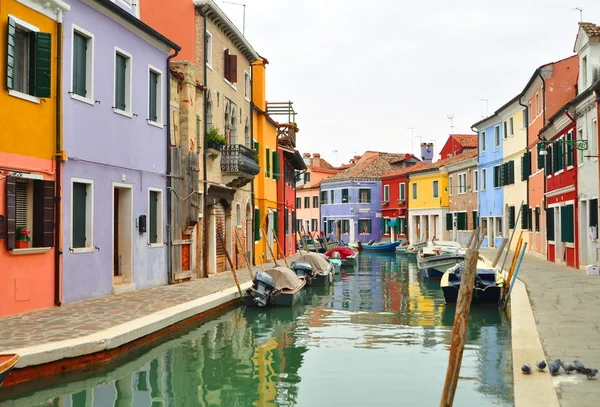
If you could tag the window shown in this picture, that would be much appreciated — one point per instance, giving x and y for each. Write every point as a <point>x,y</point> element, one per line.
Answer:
<point>570,150</point>
<point>524,216</point>
<point>323,197</point>
<point>567,224</point>
<point>247,85</point>
<point>584,72</point>
<point>209,51</point>
<point>268,168</point>
<point>483,179</point>
<point>386,193</point>
<point>307,202</point>
<point>461,221</point>
<point>580,137</point>
<point>537,219</point>
<point>530,112</point>
<point>475,181</point>
<point>474,216</point>
<point>364,226</point>
<point>450,186</point>
<point>298,225</point>
<point>315,201</point>
<point>498,227</point>
<point>483,141</point>
<point>497,136</point>
<point>276,167</point>
<point>345,196</point>
<point>82,66</point>
<point>256,224</point>
<point>155,96</point>
<point>524,118</point>
<point>511,217</point>
<point>497,176</point>
<point>364,195</point>
<point>29,61</point>
<point>436,192</point>
<point>332,196</point>
<point>462,184</point>
<point>314,223</point>
<point>449,221</point>
<point>505,129</point>
<point>526,165</point>
<point>298,203</point>
<point>550,224</point>
<point>155,217</point>
<point>414,191</point>
<point>82,214</point>
<point>402,192</point>
<point>230,66</point>
<point>537,104</point>
<point>122,102</point>
<point>307,177</point>
<point>511,127</point>
<point>345,226</point>
<point>593,147</point>
<point>593,212</point>
<point>33,209</point>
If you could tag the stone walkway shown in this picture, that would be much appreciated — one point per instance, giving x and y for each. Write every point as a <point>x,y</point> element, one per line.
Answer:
<point>566,306</point>
<point>87,317</point>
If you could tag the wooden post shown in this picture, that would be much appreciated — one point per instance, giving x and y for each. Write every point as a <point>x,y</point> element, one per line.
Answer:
<point>461,318</point>
<point>270,249</point>
<point>514,277</point>
<point>512,266</point>
<point>304,242</point>
<point>280,250</point>
<point>237,283</point>
<point>237,238</point>
<point>512,235</point>
<point>502,246</point>
<point>301,241</point>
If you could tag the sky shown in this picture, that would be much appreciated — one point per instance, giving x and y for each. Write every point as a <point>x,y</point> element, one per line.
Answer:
<point>361,74</point>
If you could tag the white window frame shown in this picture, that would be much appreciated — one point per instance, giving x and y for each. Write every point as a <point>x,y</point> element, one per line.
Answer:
<point>594,140</point>
<point>402,192</point>
<point>433,184</point>
<point>159,97</point>
<point>537,104</point>
<point>386,191</point>
<point>462,188</point>
<point>450,181</point>
<point>483,141</point>
<point>128,86</point>
<point>21,95</point>
<point>530,110</point>
<point>483,180</point>
<point>247,83</point>
<point>497,136</point>
<point>475,180</point>
<point>89,65</point>
<point>89,222</point>
<point>209,51</point>
<point>511,126</point>
<point>159,218</point>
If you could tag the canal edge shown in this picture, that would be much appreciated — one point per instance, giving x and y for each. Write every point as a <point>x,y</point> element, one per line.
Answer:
<point>536,388</point>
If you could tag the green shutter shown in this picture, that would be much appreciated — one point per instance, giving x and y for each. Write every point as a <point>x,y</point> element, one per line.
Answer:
<point>525,166</point>
<point>256,224</point>
<point>524,212</point>
<point>474,214</point>
<point>511,217</point>
<point>153,91</point>
<point>550,224</point>
<point>79,214</point>
<point>461,223</point>
<point>120,70</point>
<point>43,60</point>
<point>10,61</point>
<point>268,163</point>
<point>79,64</point>
<point>567,224</point>
<point>448,221</point>
<point>540,158</point>
<point>369,221</point>
<point>561,156</point>
<point>276,169</point>
<point>511,172</point>
<point>369,198</point>
<point>276,224</point>
<point>570,157</point>
<point>153,217</point>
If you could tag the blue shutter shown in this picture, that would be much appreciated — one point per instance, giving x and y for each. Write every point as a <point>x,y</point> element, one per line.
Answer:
<point>79,214</point>
<point>79,64</point>
<point>120,71</point>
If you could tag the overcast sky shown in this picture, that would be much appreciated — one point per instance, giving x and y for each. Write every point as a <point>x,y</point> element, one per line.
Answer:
<point>361,72</point>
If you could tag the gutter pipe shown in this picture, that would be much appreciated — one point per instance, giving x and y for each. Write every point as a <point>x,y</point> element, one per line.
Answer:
<point>57,193</point>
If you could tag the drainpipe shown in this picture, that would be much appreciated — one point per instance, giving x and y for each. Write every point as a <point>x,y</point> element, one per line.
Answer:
<point>205,184</point>
<point>478,180</point>
<point>544,249</point>
<point>527,145</point>
<point>57,198</point>
<point>168,139</point>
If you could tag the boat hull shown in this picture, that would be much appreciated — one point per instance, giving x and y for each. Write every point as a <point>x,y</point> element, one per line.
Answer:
<point>7,364</point>
<point>436,269</point>
<point>387,247</point>
<point>487,289</point>
<point>286,298</point>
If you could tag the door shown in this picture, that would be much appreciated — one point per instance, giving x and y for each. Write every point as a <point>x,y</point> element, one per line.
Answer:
<point>116,262</point>
<point>557,237</point>
<point>338,232</point>
<point>122,234</point>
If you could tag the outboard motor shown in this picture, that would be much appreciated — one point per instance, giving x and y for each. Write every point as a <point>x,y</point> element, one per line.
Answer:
<point>263,287</point>
<point>336,255</point>
<point>303,269</point>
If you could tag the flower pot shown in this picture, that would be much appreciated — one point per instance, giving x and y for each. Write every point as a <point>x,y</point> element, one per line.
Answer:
<point>21,244</point>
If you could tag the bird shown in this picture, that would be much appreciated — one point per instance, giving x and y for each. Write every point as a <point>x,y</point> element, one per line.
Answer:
<point>590,373</point>
<point>553,368</point>
<point>526,368</point>
<point>569,367</point>
<point>541,365</point>
<point>578,366</point>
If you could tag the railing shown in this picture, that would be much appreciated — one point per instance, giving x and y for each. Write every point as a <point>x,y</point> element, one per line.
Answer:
<point>236,158</point>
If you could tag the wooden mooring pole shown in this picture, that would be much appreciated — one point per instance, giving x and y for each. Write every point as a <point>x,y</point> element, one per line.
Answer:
<point>237,283</point>
<point>461,319</point>
<point>237,238</point>
<point>279,249</point>
<point>270,248</point>
<point>502,246</point>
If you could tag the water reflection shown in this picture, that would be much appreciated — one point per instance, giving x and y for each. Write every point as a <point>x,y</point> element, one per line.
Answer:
<point>378,333</point>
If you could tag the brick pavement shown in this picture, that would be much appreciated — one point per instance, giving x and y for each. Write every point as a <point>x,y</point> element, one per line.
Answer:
<point>565,304</point>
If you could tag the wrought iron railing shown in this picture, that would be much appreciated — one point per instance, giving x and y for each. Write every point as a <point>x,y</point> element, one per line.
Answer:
<point>238,158</point>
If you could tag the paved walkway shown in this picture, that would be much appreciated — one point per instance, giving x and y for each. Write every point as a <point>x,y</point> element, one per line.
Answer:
<point>566,306</point>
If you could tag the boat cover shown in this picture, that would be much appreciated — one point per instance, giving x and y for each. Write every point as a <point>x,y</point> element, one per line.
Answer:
<point>284,278</point>
<point>343,251</point>
<point>317,261</point>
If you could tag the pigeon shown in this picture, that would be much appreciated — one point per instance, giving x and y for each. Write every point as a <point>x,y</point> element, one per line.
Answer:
<point>526,368</point>
<point>541,365</point>
<point>553,368</point>
<point>569,367</point>
<point>590,373</point>
<point>578,366</point>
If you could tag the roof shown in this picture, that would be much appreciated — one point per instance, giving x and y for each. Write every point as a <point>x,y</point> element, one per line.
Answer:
<point>372,165</point>
<point>294,157</point>
<point>420,167</point>
<point>464,156</point>
<point>217,15</point>
<point>137,23</point>
<point>591,29</point>
<point>325,170</point>
<point>466,140</point>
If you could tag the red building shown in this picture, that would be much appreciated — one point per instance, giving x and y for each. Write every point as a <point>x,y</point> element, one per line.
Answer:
<point>457,143</point>
<point>286,198</point>
<point>560,164</point>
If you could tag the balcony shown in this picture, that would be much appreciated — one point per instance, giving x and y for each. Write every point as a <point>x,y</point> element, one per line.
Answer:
<point>238,166</point>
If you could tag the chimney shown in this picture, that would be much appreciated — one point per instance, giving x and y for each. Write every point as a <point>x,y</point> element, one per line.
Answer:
<point>306,158</point>
<point>316,159</point>
<point>427,152</point>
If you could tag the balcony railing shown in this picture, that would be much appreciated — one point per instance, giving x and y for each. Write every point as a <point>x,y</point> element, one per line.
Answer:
<point>238,160</point>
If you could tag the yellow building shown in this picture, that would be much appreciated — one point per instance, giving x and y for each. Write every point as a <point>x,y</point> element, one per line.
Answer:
<point>265,183</point>
<point>29,147</point>
<point>427,203</point>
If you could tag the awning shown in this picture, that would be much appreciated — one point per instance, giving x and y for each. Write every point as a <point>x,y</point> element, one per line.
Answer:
<point>294,157</point>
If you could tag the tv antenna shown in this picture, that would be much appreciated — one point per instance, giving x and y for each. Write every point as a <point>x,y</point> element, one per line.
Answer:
<point>580,13</point>
<point>244,18</point>
<point>486,107</point>
<point>337,162</point>
<point>451,118</point>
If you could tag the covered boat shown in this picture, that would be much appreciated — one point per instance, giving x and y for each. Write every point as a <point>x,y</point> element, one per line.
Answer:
<point>381,247</point>
<point>315,268</point>
<point>411,249</point>
<point>347,255</point>
<point>7,363</point>
<point>433,262</point>
<point>487,289</point>
<point>276,286</point>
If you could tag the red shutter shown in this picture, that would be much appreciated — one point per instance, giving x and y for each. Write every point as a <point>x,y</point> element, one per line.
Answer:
<point>11,212</point>
<point>227,65</point>
<point>233,68</point>
<point>43,213</point>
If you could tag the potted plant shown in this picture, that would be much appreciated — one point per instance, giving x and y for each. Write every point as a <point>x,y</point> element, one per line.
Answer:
<point>214,138</point>
<point>385,203</point>
<point>256,157</point>
<point>23,237</point>
<point>400,202</point>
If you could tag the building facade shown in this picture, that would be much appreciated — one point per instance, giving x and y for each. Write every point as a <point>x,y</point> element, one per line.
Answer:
<point>286,192</point>
<point>427,203</point>
<point>463,181</point>
<point>457,144</point>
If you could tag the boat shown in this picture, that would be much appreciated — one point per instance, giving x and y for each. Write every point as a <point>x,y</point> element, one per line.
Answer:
<point>314,268</point>
<point>487,289</point>
<point>433,262</point>
<point>278,286</point>
<point>381,247</point>
<point>346,255</point>
<point>7,363</point>
<point>412,249</point>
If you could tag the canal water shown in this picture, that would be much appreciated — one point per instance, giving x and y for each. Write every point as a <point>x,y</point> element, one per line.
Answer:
<point>379,336</point>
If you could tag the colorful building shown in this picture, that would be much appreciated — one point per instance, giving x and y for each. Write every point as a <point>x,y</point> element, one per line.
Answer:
<point>457,144</point>
<point>351,200</point>
<point>31,154</point>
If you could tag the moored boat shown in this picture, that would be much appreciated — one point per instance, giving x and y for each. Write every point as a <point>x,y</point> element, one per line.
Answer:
<point>7,363</point>
<point>433,262</point>
<point>346,254</point>
<point>381,247</point>
<point>487,289</point>
<point>315,268</point>
<point>278,286</point>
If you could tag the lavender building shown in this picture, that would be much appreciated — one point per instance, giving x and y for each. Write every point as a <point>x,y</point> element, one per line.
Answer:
<point>115,105</point>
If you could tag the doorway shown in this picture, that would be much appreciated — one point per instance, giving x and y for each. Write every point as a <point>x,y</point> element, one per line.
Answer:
<point>122,234</point>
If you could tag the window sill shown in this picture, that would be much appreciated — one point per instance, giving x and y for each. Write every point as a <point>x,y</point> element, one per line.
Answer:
<point>123,112</point>
<point>247,99</point>
<point>80,98</point>
<point>152,245</point>
<point>24,96</point>
<point>155,124</point>
<point>31,250</point>
<point>82,250</point>
<point>230,84</point>
<point>559,172</point>
<point>209,66</point>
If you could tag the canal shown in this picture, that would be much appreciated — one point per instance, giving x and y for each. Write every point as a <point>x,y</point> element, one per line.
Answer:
<point>379,336</point>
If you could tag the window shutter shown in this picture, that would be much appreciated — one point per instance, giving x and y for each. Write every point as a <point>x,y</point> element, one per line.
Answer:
<point>79,64</point>
<point>530,219</point>
<point>79,215</point>
<point>369,197</point>
<point>276,224</point>
<point>233,68</point>
<point>537,219</point>
<point>570,156</point>
<point>555,162</point>
<point>561,156</point>
<point>153,217</point>
<point>152,96</point>
<point>11,212</point>
<point>462,221</point>
<point>524,212</point>
<point>548,160</point>
<point>540,158</point>
<point>43,60</point>
<point>227,66</point>
<point>474,214</point>
<point>256,224</point>
<point>43,213</point>
<point>268,163</point>
<point>496,177</point>
<point>10,61</point>
<point>120,69</point>
<point>511,172</point>
<point>276,169</point>
<point>550,224</point>
<point>567,226</point>
<point>448,221</point>
<point>511,217</point>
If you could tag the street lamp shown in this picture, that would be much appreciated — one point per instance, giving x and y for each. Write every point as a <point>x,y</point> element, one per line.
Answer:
<point>578,144</point>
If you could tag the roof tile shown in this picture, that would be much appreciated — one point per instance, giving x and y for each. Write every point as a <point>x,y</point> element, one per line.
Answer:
<point>372,164</point>
<point>590,29</point>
